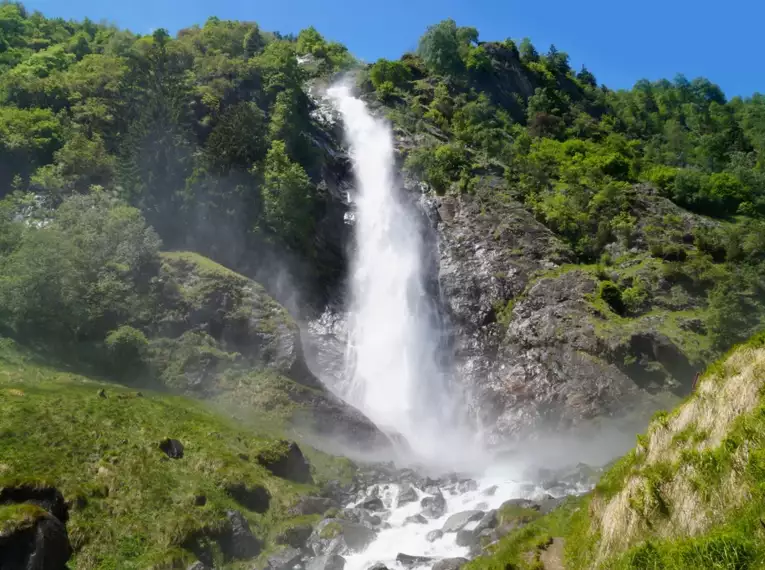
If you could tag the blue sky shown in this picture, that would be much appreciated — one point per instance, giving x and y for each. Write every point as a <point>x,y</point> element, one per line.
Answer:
<point>621,41</point>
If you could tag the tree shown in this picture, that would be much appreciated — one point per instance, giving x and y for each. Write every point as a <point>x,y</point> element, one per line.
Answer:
<point>439,48</point>
<point>528,51</point>
<point>287,197</point>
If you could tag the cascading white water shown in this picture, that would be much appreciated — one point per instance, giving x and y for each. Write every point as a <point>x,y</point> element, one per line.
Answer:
<point>394,375</point>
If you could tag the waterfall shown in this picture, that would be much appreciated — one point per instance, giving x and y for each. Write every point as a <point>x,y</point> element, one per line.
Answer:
<point>394,374</point>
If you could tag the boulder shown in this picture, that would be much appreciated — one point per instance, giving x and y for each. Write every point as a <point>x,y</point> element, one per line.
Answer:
<point>520,504</point>
<point>336,536</point>
<point>407,494</point>
<point>329,562</point>
<point>49,499</point>
<point>284,459</point>
<point>285,559</point>
<point>313,506</point>
<point>295,536</point>
<point>198,565</point>
<point>434,535</point>
<point>467,485</point>
<point>450,564</point>
<point>372,504</point>
<point>39,542</point>
<point>433,507</point>
<point>378,566</point>
<point>466,538</point>
<point>172,448</point>
<point>255,498</point>
<point>415,519</point>
<point>409,561</point>
<point>239,542</point>
<point>489,521</point>
<point>362,516</point>
<point>458,521</point>
<point>490,491</point>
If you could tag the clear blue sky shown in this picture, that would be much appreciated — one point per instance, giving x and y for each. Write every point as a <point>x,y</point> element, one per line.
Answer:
<point>621,41</point>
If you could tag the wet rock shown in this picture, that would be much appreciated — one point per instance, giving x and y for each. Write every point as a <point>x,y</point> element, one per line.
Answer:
<point>520,504</point>
<point>372,504</point>
<point>490,491</point>
<point>450,564</point>
<point>284,459</point>
<point>198,565</point>
<point>255,498</point>
<point>286,559</point>
<point>434,535</point>
<point>489,521</point>
<point>42,544</point>
<point>406,495</point>
<point>360,516</point>
<point>378,566</point>
<point>415,519</point>
<point>329,562</point>
<point>466,538</point>
<point>295,536</point>
<point>433,507</point>
<point>172,448</point>
<point>409,561</point>
<point>466,486</point>
<point>459,520</point>
<point>313,506</point>
<point>47,498</point>
<point>336,536</point>
<point>549,505</point>
<point>239,542</point>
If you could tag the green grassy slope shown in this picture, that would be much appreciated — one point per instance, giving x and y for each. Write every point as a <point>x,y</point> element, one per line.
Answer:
<point>131,506</point>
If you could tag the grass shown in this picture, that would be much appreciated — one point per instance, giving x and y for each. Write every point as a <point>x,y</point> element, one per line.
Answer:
<point>132,506</point>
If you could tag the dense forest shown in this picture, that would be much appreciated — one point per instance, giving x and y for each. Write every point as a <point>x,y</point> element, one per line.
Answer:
<point>209,136</point>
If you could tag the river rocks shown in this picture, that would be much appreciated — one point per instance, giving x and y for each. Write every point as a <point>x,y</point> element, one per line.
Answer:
<point>466,485</point>
<point>284,459</point>
<point>329,562</point>
<point>172,448</point>
<point>239,542</point>
<point>337,536</point>
<point>488,521</point>
<point>466,538</point>
<point>490,491</point>
<point>459,520</point>
<point>362,516</point>
<point>285,559</point>
<point>372,504</point>
<point>255,498</point>
<point>450,564</point>
<point>415,519</point>
<point>409,561</point>
<point>198,565</point>
<point>378,566</point>
<point>313,506</point>
<point>407,494</point>
<point>433,507</point>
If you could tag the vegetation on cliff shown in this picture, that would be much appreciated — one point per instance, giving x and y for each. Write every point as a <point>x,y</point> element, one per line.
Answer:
<point>690,495</point>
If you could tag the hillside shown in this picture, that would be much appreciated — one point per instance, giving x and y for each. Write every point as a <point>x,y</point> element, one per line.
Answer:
<point>93,456</point>
<point>688,496</point>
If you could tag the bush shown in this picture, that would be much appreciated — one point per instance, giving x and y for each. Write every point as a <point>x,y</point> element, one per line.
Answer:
<point>612,295</point>
<point>634,298</point>
<point>127,348</point>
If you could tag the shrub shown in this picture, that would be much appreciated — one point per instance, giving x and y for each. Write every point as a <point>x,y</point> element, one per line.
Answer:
<point>126,347</point>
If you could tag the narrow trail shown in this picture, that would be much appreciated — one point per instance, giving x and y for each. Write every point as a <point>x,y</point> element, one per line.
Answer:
<point>552,557</point>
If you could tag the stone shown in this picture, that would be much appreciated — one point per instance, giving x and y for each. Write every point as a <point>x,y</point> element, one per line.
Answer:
<point>378,566</point>
<point>467,485</point>
<point>434,535</point>
<point>329,562</point>
<point>198,565</point>
<point>285,559</point>
<point>433,507</point>
<point>466,538</point>
<point>239,542</point>
<point>336,536</point>
<point>255,498</point>
<point>285,459</point>
<point>313,506</point>
<point>43,545</point>
<point>172,448</point>
<point>415,519</point>
<point>407,494</point>
<point>362,516</point>
<point>490,491</point>
<point>488,522</point>
<point>459,520</point>
<point>409,561</point>
<point>372,504</point>
<point>200,500</point>
<point>520,504</point>
<point>295,536</point>
<point>450,564</point>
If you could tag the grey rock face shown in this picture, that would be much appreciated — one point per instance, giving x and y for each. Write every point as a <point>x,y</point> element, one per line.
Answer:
<point>433,507</point>
<point>239,542</point>
<point>338,536</point>
<point>329,562</point>
<point>285,559</point>
<point>407,494</point>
